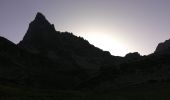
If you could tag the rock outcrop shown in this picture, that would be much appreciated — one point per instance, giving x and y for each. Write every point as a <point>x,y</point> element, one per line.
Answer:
<point>163,47</point>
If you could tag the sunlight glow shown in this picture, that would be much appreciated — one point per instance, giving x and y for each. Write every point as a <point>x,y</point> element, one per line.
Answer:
<point>107,43</point>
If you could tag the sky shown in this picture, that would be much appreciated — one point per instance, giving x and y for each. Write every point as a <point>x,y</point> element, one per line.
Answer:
<point>117,26</point>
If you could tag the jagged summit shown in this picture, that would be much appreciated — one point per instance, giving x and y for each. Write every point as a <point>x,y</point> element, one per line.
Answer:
<point>42,37</point>
<point>40,19</point>
<point>40,16</point>
<point>40,29</point>
<point>40,22</point>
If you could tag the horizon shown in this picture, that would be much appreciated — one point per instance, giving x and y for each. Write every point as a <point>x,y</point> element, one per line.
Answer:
<point>120,26</point>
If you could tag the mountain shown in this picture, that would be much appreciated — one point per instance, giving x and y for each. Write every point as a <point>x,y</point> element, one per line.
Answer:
<point>42,38</point>
<point>53,63</point>
<point>47,58</point>
<point>163,47</point>
<point>22,68</point>
<point>9,70</point>
<point>151,71</point>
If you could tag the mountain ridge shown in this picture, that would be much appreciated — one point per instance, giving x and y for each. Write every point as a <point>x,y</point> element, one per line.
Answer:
<point>49,59</point>
<point>40,31</point>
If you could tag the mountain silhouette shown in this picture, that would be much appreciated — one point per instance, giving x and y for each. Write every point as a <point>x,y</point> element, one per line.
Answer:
<point>47,59</point>
<point>42,37</point>
<point>163,47</point>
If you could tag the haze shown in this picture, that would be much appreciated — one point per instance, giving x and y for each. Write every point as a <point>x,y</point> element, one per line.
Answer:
<point>118,26</point>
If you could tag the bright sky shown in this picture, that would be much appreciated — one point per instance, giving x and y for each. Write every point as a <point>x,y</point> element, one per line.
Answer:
<point>118,26</point>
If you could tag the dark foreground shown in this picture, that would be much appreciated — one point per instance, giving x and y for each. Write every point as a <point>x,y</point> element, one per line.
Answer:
<point>135,93</point>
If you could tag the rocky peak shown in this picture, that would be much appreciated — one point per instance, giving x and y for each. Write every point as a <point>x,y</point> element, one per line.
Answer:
<point>41,37</point>
<point>40,16</point>
<point>163,47</point>
<point>41,20</point>
<point>39,30</point>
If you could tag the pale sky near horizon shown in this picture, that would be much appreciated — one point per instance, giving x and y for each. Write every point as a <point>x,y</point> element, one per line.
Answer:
<point>118,26</point>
